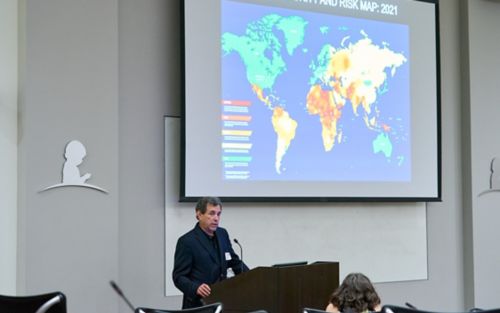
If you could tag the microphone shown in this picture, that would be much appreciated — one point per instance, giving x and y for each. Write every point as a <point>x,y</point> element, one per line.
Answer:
<point>120,293</point>
<point>411,306</point>
<point>241,253</point>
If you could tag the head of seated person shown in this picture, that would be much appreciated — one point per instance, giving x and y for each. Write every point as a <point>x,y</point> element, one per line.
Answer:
<point>356,294</point>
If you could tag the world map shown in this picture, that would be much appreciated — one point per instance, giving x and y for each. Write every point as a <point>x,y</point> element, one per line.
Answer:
<point>315,81</point>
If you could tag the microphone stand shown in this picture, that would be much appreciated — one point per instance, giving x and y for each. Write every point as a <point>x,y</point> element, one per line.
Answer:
<point>120,293</point>
<point>241,254</point>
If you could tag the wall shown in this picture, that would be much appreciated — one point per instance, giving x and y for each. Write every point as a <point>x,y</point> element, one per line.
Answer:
<point>150,88</point>
<point>106,72</point>
<point>481,134</point>
<point>444,288</point>
<point>68,237</point>
<point>8,146</point>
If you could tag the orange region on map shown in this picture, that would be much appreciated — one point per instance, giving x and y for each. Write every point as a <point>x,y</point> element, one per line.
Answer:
<point>242,118</point>
<point>339,64</point>
<point>357,98</point>
<point>338,67</point>
<point>236,102</point>
<point>260,94</point>
<point>321,102</point>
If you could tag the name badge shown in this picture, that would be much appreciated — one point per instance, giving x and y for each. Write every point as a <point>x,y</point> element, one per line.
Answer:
<point>228,256</point>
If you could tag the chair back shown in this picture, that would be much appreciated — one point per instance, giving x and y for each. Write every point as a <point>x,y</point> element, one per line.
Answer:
<point>209,308</point>
<point>400,309</point>
<point>54,302</point>
<point>309,310</point>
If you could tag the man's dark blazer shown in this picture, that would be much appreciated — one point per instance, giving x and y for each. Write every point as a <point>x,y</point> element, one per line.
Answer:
<point>196,263</point>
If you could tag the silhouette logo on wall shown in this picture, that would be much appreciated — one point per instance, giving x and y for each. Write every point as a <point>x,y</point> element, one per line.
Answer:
<point>74,153</point>
<point>494,177</point>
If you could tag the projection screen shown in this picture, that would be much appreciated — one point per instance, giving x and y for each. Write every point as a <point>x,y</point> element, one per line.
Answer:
<point>310,100</point>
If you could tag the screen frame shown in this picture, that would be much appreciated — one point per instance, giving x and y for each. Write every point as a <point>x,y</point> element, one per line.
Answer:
<point>184,197</point>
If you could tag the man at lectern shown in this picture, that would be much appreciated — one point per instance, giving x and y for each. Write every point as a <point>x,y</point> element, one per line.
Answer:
<point>204,254</point>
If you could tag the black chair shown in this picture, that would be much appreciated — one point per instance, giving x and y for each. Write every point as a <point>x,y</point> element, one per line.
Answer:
<point>309,310</point>
<point>54,302</point>
<point>400,309</point>
<point>209,308</point>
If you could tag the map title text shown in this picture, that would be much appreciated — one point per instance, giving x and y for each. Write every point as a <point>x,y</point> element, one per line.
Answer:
<point>369,6</point>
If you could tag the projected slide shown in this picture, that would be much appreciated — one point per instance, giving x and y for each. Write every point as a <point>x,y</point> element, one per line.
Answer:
<point>347,115</point>
<point>311,100</point>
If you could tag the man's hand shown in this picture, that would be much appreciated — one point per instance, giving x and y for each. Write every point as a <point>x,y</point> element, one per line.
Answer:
<point>203,290</point>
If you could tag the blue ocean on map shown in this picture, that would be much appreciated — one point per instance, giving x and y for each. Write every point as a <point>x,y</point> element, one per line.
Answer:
<point>355,156</point>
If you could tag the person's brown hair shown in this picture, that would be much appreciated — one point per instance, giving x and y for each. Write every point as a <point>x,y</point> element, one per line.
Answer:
<point>202,203</point>
<point>355,294</point>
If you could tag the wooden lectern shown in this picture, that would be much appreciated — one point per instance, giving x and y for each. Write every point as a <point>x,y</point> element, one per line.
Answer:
<point>286,289</point>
